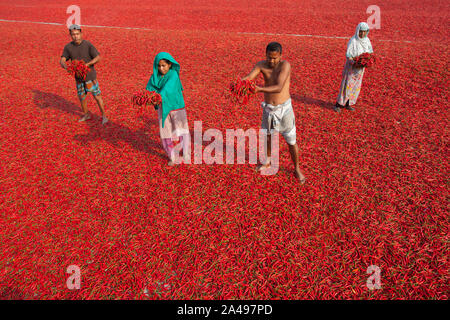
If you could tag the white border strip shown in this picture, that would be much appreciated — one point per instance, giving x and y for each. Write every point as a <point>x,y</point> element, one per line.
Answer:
<point>311,35</point>
<point>293,35</point>
<point>38,22</point>
<point>246,33</point>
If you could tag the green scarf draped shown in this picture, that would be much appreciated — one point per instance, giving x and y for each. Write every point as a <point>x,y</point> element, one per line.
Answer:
<point>168,86</point>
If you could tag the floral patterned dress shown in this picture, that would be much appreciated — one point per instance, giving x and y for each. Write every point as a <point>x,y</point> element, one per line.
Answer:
<point>351,84</point>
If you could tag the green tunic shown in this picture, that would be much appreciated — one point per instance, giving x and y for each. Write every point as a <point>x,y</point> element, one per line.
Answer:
<point>168,86</point>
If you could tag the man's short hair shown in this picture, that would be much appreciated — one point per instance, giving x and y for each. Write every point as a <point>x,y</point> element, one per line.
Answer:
<point>74,27</point>
<point>274,46</point>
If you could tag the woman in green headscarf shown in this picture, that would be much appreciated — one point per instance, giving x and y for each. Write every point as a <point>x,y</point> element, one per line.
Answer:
<point>173,124</point>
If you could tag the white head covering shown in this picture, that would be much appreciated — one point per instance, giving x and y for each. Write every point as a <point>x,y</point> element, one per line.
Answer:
<point>357,45</point>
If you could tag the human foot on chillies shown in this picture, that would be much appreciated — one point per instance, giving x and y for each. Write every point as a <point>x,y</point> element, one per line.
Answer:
<point>85,117</point>
<point>299,175</point>
<point>350,108</point>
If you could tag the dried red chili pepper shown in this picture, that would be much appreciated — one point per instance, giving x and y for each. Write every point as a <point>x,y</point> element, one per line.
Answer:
<point>145,97</point>
<point>365,60</point>
<point>78,69</point>
<point>242,90</point>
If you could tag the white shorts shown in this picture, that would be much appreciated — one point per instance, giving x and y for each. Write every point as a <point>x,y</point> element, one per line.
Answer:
<point>280,118</point>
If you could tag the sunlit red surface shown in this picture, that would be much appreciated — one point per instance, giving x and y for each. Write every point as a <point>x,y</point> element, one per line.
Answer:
<point>103,197</point>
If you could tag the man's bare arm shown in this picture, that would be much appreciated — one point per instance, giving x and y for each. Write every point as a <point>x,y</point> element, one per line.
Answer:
<point>93,61</point>
<point>254,73</point>
<point>63,63</point>
<point>281,80</point>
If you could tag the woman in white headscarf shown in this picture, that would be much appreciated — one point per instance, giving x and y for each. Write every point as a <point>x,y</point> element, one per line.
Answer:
<point>353,73</point>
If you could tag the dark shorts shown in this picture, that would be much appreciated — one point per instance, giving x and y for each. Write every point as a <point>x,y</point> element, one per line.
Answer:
<point>89,86</point>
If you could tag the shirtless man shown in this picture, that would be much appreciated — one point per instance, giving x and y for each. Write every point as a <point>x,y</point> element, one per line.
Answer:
<point>277,108</point>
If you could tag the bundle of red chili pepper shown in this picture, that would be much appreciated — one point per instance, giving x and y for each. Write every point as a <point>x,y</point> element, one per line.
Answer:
<point>78,68</point>
<point>242,90</point>
<point>365,60</point>
<point>145,97</point>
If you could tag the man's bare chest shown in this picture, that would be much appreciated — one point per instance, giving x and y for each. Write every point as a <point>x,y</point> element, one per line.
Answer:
<point>270,75</point>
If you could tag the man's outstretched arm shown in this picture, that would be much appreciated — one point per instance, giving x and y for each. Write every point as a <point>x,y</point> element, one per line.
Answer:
<point>253,74</point>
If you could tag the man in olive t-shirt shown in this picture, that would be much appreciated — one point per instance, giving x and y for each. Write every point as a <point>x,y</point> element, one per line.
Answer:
<point>80,49</point>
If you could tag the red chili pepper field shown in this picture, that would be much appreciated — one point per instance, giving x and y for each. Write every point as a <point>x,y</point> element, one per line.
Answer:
<point>102,197</point>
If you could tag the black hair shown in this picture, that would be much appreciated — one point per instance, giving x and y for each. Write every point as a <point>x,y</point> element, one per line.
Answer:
<point>167,61</point>
<point>70,30</point>
<point>274,47</point>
